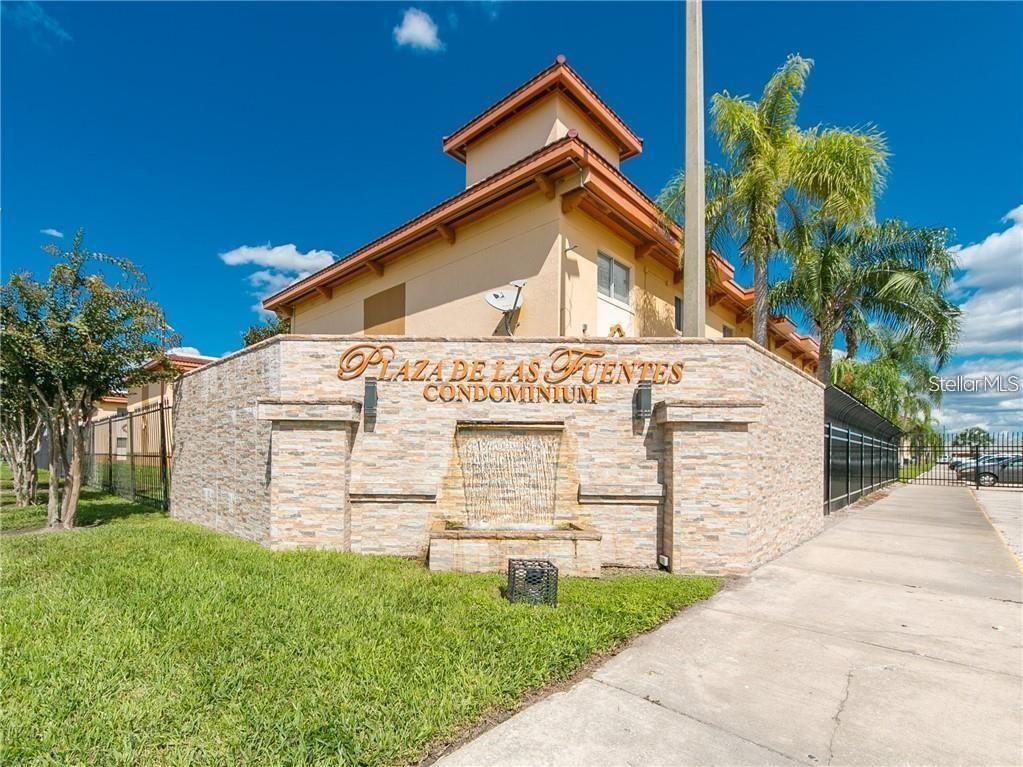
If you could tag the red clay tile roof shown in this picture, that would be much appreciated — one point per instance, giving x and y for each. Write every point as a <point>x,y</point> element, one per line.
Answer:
<point>182,362</point>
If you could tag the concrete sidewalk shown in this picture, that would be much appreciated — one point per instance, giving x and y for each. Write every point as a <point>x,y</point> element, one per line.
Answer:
<point>893,638</point>
<point>1004,508</point>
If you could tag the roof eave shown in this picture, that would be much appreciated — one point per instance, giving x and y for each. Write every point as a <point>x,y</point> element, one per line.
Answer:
<point>497,190</point>
<point>558,77</point>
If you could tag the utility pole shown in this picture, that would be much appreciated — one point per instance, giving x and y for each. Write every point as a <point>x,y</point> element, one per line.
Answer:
<point>694,261</point>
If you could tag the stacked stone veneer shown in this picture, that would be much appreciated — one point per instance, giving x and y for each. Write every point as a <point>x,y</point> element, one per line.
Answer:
<point>726,474</point>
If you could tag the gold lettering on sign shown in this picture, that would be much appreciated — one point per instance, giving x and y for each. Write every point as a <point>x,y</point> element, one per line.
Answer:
<point>569,375</point>
<point>357,358</point>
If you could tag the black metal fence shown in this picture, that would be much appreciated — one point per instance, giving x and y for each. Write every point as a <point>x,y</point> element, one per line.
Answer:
<point>971,458</point>
<point>861,450</point>
<point>129,455</point>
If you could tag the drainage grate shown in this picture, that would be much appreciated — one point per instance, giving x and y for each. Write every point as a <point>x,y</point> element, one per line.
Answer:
<point>532,580</point>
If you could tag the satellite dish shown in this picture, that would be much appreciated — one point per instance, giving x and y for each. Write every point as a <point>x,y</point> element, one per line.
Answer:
<point>506,301</point>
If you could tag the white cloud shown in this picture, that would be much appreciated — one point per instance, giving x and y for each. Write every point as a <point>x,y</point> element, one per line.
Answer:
<point>51,232</point>
<point>993,322</point>
<point>990,287</point>
<point>996,411</point>
<point>268,282</point>
<point>40,25</point>
<point>285,264</point>
<point>417,30</point>
<point>285,257</point>
<point>189,350</point>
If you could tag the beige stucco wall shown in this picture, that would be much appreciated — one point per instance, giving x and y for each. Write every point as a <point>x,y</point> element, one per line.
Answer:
<point>148,394</point>
<point>548,120</point>
<point>445,284</point>
<point>653,286</point>
<point>719,489</point>
<point>533,240</point>
<point>101,409</point>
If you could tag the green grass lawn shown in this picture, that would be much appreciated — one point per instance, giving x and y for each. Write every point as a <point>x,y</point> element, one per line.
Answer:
<point>148,641</point>
<point>14,518</point>
<point>914,470</point>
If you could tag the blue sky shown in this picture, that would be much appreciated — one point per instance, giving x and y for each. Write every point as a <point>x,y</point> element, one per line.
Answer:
<point>176,133</point>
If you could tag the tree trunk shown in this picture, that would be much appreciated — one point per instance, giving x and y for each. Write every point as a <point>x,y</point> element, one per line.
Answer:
<point>32,481</point>
<point>75,473</point>
<point>760,300</point>
<point>53,494</point>
<point>55,466</point>
<point>20,437</point>
<point>824,363</point>
<point>18,478</point>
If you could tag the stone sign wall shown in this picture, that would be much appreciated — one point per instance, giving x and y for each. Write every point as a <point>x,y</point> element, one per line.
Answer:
<point>273,444</point>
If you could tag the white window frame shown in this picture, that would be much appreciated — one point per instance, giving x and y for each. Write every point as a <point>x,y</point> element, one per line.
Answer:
<point>626,305</point>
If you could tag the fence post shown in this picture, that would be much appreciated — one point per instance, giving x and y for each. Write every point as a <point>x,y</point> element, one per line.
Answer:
<point>848,465</point>
<point>131,455</point>
<point>163,459</point>
<point>976,465</point>
<point>110,455</point>
<point>827,469</point>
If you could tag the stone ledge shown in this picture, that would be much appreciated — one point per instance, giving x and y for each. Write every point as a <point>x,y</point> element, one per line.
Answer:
<point>318,410</point>
<point>391,496</point>
<point>648,494</point>
<point>438,530</point>
<point>470,425</point>
<point>709,411</point>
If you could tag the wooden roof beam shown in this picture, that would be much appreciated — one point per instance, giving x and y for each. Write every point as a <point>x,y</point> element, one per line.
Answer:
<point>325,290</point>
<point>569,200</point>
<point>447,232</point>
<point>644,249</point>
<point>376,267</point>
<point>546,184</point>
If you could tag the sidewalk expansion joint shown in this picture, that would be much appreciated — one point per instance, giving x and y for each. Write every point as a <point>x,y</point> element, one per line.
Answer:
<point>697,719</point>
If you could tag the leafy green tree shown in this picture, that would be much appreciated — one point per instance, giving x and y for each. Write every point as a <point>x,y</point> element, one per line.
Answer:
<point>719,226</point>
<point>775,169</point>
<point>77,337</point>
<point>895,382</point>
<point>262,331</point>
<point>975,436</point>
<point>21,426</point>
<point>844,279</point>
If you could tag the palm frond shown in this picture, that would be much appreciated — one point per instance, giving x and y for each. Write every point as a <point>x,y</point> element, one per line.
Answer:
<point>736,123</point>
<point>779,103</point>
<point>842,170</point>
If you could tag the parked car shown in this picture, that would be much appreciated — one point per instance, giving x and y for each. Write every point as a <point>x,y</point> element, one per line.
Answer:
<point>963,463</point>
<point>1006,471</point>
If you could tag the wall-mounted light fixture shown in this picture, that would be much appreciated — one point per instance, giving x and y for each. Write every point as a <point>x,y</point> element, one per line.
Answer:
<point>642,401</point>
<point>369,398</point>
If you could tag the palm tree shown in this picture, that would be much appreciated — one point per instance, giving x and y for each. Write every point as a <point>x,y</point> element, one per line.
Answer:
<point>775,169</point>
<point>896,382</point>
<point>844,279</point>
